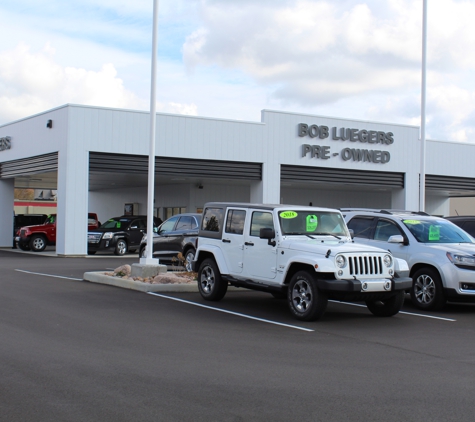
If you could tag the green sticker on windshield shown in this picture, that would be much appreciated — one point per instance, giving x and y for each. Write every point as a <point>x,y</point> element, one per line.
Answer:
<point>118,225</point>
<point>312,223</point>
<point>434,233</point>
<point>288,214</point>
<point>412,222</point>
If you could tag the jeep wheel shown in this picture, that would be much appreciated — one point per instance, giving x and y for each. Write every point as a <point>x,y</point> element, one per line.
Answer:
<point>121,247</point>
<point>426,291</point>
<point>306,302</point>
<point>37,243</point>
<point>387,307</point>
<point>189,256</point>
<point>210,283</point>
<point>91,252</point>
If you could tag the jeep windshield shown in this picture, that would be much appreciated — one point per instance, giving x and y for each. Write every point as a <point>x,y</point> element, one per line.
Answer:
<point>312,223</point>
<point>437,231</point>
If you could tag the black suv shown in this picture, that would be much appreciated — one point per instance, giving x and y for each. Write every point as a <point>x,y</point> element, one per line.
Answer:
<point>176,235</point>
<point>465,222</point>
<point>118,234</point>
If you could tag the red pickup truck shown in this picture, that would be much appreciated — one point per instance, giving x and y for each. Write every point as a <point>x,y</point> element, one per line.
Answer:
<point>36,238</point>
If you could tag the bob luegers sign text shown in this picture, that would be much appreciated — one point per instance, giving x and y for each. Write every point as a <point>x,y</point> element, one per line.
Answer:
<point>346,134</point>
<point>5,143</point>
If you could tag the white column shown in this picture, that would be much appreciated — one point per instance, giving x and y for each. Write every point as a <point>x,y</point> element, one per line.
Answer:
<point>6,211</point>
<point>73,188</point>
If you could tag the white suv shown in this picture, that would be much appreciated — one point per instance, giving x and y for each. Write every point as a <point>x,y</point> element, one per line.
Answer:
<point>303,254</point>
<point>441,256</point>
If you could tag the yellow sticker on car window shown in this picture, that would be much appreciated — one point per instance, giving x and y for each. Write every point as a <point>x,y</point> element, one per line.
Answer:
<point>412,222</point>
<point>312,223</point>
<point>288,214</point>
<point>434,233</point>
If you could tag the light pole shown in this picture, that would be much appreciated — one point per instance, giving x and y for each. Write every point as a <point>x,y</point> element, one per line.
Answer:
<point>422,178</point>
<point>149,260</point>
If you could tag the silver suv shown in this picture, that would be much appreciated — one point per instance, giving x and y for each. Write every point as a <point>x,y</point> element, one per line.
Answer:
<point>441,256</point>
<point>302,254</point>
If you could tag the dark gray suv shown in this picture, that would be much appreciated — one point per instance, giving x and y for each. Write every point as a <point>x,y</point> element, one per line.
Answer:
<point>174,236</point>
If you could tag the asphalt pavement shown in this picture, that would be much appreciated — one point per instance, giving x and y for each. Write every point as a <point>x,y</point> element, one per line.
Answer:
<point>71,350</point>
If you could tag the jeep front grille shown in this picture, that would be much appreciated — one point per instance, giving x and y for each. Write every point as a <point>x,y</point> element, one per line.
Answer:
<point>365,265</point>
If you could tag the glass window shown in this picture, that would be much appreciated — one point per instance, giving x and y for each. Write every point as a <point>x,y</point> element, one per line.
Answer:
<point>235,221</point>
<point>184,223</point>
<point>437,231</point>
<point>168,225</point>
<point>212,218</point>
<point>261,220</point>
<point>361,226</point>
<point>385,229</point>
<point>170,212</point>
<point>312,222</point>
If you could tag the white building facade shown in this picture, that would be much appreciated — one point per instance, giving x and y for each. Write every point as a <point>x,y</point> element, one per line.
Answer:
<point>97,160</point>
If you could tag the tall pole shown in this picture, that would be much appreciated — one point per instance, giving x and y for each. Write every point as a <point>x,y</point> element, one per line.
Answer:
<point>422,179</point>
<point>151,156</point>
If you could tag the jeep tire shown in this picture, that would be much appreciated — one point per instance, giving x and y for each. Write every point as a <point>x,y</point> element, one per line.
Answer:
<point>306,301</point>
<point>210,284</point>
<point>386,307</point>
<point>37,243</point>
<point>427,291</point>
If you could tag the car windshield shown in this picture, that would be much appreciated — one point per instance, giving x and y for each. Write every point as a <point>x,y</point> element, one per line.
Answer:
<point>312,222</point>
<point>437,231</point>
<point>115,223</point>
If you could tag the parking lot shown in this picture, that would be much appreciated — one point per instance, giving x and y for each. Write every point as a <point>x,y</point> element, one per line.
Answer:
<point>72,350</point>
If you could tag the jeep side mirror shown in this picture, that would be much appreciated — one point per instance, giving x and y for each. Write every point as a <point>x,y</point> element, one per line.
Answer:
<point>268,234</point>
<point>352,233</point>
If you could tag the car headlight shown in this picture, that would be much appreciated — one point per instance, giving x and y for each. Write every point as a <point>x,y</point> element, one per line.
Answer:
<point>340,261</point>
<point>388,260</point>
<point>457,259</point>
<point>108,235</point>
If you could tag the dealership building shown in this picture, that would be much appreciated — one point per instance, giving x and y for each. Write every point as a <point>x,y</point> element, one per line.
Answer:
<point>97,161</point>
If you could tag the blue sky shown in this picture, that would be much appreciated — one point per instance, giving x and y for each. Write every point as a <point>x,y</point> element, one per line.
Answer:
<point>232,58</point>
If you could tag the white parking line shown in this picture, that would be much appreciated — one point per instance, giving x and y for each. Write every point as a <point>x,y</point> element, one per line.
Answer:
<point>49,275</point>
<point>401,312</point>
<point>232,313</point>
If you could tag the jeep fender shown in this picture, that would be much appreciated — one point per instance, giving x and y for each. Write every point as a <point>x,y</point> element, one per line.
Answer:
<point>324,265</point>
<point>217,255</point>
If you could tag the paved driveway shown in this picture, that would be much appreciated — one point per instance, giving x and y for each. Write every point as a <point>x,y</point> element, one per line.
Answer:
<point>76,351</point>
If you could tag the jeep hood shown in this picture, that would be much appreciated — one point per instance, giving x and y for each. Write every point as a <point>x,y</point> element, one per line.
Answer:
<point>321,245</point>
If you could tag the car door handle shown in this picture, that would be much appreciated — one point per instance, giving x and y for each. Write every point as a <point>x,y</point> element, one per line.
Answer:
<point>249,243</point>
<point>226,241</point>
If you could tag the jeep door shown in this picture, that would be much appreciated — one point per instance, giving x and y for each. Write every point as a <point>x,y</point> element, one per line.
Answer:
<point>260,258</point>
<point>233,240</point>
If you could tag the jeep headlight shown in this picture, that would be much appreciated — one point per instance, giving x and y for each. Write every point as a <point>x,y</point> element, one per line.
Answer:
<point>388,260</point>
<point>340,261</point>
<point>457,259</point>
<point>108,235</point>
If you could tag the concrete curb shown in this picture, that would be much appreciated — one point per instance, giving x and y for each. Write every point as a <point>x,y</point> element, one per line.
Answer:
<point>101,278</point>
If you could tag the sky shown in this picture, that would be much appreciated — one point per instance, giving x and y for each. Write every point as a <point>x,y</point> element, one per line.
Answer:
<point>354,59</point>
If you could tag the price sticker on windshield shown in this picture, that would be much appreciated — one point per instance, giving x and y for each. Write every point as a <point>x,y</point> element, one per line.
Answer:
<point>288,214</point>
<point>312,223</point>
<point>434,233</point>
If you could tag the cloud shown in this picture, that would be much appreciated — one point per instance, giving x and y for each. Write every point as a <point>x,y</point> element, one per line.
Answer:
<point>318,54</point>
<point>31,82</point>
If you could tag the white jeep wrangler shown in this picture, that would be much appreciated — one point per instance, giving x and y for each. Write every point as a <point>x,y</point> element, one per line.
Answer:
<point>304,254</point>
